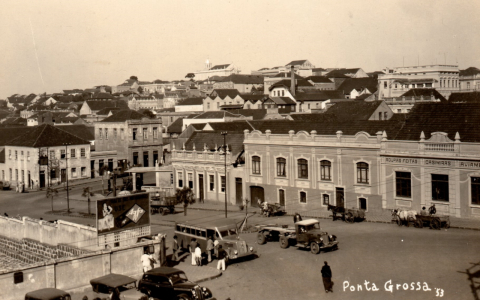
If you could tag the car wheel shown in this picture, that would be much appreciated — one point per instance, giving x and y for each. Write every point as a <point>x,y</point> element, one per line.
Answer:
<point>183,297</point>
<point>284,242</point>
<point>314,248</point>
<point>261,239</point>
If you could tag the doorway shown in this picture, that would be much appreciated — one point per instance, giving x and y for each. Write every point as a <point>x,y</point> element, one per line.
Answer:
<point>340,197</point>
<point>281,197</point>
<point>42,179</point>
<point>92,169</point>
<point>238,191</point>
<point>63,174</point>
<point>257,193</point>
<point>200,188</point>
<point>145,159</point>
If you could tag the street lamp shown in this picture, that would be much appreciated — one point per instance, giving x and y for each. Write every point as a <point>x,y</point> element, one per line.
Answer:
<point>224,133</point>
<point>66,174</point>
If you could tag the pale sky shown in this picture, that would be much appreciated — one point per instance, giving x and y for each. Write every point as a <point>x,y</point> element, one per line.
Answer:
<point>49,45</point>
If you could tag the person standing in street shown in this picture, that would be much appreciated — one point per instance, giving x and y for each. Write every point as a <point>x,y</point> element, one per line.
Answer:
<point>198,255</point>
<point>146,262</point>
<point>210,247</point>
<point>215,247</point>
<point>175,249</point>
<point>327,278</point>
<point>222,255</point>
<point>193,245</point>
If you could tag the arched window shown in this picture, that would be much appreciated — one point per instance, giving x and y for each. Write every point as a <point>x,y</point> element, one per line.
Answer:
<point>325,170</point>
<point>256,165</point>
<point>302,168</point>
<point>362,172</point>
<point>281,163</point>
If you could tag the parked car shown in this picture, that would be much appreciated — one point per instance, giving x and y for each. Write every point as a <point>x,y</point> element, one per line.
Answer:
<point>4,185</point>
<point>171,284</point>
<point>48,294</point>
<point>125,284</point>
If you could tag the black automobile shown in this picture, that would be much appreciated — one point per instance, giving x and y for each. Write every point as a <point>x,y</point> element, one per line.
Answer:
<point>48,294</point>
<point>171,284</point>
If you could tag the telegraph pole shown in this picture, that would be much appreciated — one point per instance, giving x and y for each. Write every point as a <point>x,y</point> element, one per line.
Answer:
<point>66,174</point>
<point>224,133</point>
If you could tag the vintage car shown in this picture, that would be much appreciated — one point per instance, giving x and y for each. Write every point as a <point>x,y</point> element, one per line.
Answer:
<point>125,284</point>
<point>48,294</point>
<point>223,230</point>
<point>306,234</point>
<point>4,185</point>
<point>169,283</point>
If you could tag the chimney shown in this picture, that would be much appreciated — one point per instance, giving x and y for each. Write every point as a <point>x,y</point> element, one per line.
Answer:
<point>292,80</point>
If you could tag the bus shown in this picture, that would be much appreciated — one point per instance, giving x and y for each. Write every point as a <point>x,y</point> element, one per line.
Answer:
<point>222,230</point>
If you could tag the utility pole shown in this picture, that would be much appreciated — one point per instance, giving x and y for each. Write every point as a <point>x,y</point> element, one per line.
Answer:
<point>224,133</point>
<point>66,174</point>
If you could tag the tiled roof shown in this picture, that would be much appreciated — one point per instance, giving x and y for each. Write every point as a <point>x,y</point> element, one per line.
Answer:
<point>288,75</point>
<point>286,83</point>
<point>318,69</point>
<point>256,114</point>
<point>107,110</point>
<point>215,115</point>
<point>191,101</point>
<point>469,71</point>
<point>124,115</point>
<point>222,93</point>
<point>82,131</point>
<point>318,95</point>
<point>252,97</point>
<point>417,93</point>
<point>283,100</point>
<point>169,109</point>
<point>46,136</point>
<point>234,141</point>
<point>442,117</point>
<point>219,67</point>
<point>358,84</point>
<point>296,62</point>
<point>102,96</point>
<point>353,110</point>
<point>304,117</point>
<point>231,106</point>
<point>473,97</point>
<point>128,82</point>
<point>9,133</point>
<point>176,126</point>
<point>97,105</point>
<point>363,96</point>
<point>236,126</point>
<point>14,121</point>
<point>319,79</point>
<point>341,72</point>
<point>243,79</point>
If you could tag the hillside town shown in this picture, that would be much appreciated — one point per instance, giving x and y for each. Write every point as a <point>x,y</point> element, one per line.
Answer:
<point>239,150</point>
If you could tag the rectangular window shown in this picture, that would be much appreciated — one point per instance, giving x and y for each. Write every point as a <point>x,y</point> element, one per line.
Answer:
<point>190,180</point>
<point>115,133</point>
<point>122,133</point>
<point>303,197</point>
<point>52,154</point>
<point>385,115</point>
<point>180,179</point>
<point>212,182</point>
<point>439,187</point>
<point>9,154</point>
<point>23,175</point>
<point>72,153</point>
<point>302,168</point>
<point>326,199</point>
<point>84,171</point>
<point>100,133</point>
<point>10,174</point>
<point>325,170</point>
<point>135,158</point>
<point>281,163</point>
<point>145,133</point>
<point>155,132</point>
<point>74,172</point>
<point>224,183</point>
<point>399,111</point>
<point>362,172</point>
<point>82,152</point>
<point>171,179</point>
<point>380,115</point>
<point>134,132</point>
<point>16,175</point>
<point>62,154</point>
<point>255,165</point>
<point>106,133</point>
<point>362,203</point>
<point>475,190</point>
<point>16,155</point>
<point>404,184</point>
<point>21,154</point>
<point>218,104</point>
<point>208,105</point>
<point>3,174</point>
<point>53,174</point>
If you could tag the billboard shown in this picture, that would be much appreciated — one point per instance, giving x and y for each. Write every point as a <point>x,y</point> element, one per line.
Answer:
<point>123,212</point>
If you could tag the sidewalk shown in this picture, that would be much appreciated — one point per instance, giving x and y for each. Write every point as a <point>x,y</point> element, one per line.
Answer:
<point>71,183</point>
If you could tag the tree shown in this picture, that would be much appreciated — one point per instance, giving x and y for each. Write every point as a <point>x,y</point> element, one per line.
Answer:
<point>140,90</point>
<point>190,75</point>
<point>148,113</point>
<point>185,196</point>
<point>88,194</point>
<point>133,77</point>
<point>103,171</point>
<point>51,192</point>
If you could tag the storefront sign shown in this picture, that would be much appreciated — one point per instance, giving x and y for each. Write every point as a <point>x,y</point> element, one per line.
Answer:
<point>434,162</point>
<point>469,164</point>
<point>402,160</point>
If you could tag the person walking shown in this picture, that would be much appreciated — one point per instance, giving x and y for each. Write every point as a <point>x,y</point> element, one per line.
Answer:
<point>175,248</point>
<point>222,255</point>
<point>215,247</point>
<point>210,247</point>
<point>193,245</point>
<point>146,262</point>
<point>327,278</point>
<point>198,255</point>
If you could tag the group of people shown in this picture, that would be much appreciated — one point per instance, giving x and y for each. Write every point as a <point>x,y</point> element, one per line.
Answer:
<point>213,248</point>
<point>431,211</point>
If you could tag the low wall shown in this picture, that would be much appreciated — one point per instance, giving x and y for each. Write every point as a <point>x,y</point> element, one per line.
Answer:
<point>75,273</point>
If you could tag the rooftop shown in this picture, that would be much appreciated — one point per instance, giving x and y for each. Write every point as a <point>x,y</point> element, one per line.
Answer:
<point>46,136</point>
<point>124,115</point>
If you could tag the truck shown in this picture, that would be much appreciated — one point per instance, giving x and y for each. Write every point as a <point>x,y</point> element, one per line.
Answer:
<point>305,234</point>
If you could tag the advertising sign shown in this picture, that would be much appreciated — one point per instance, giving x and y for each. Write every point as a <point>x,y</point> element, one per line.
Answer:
<point>124,212</point>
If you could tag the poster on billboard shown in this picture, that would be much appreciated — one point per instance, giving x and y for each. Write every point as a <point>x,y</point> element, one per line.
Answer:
<point>123,212</point>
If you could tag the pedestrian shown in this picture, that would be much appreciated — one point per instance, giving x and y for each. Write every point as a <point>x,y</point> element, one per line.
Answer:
<point>423,212</point>
<point>115,295</point>
<point>296,217</point>
<point>327,278</point>
<point>222,255</point>
<point>193,245</point>
<point>175,248</point>
<point>198,255</point>
<point>146,262</point>
<point>432,210</point>
<point>210,247</point>
<point>215,247</point>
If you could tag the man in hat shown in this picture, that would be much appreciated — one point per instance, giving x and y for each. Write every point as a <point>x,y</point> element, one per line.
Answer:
<point>327,278</point>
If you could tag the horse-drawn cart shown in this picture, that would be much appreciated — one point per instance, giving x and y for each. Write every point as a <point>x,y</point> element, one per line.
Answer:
<point>432,221</point>
<point>271,209</point>
<point>348,215</point>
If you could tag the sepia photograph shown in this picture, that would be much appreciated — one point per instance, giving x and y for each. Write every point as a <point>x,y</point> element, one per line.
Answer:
<point>239,150</point>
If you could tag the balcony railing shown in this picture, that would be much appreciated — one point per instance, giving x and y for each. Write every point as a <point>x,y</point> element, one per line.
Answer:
<point>440,147</point>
